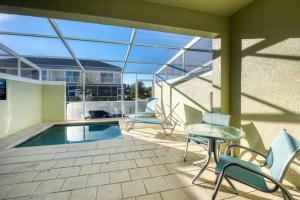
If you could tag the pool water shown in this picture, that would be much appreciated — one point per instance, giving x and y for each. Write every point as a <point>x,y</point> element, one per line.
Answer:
<point>68,134</point>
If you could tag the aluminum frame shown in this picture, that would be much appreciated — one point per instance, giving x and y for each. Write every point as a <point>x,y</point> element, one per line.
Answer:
<point>101,41</point>
<point>179,53</point>
<point>21,59</point>
<point>68,47</point>
<point>131,43</point>
<point>129,48</point>
<point>124,66</point>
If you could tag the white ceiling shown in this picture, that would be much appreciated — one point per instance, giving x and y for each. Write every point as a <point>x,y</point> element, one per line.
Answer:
<point>217,7</point>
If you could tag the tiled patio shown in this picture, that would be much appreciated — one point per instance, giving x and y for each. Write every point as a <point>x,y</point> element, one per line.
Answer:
<point>144,165</point>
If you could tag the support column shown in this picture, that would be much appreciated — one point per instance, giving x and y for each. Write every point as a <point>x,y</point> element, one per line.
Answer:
<point>183,62</point>
<point>19,67</point>
<point>122,94</point>
<point>136,94</point>
<point>83,95</point>
<point>40,75</point>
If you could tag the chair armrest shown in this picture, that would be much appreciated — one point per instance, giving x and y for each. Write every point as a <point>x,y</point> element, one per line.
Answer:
<point>278,184</point>
<point>248,149</point>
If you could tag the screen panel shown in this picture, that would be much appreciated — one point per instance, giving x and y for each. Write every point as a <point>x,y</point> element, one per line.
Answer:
<point>25,24</point>
<point>35,46</point>
<point>94,31</point>
<point>9,65</point>
<point>161,38</point>
<point>96,50</point>
<point>203,43</point>
<point>141,68</point>
<point>149,54</point>
<point>196,58</point>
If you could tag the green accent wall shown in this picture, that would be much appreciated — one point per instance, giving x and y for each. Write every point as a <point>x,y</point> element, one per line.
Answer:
<point>30,103</point>
<point>54,103</point>
<point>265,73</point>
<point>23,107</point>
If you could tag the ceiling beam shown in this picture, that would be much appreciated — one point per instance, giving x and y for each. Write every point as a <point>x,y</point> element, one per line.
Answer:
<point>101,60</point>
<point>101,41</point>
<point>129,48</point>
<point>179,53</point>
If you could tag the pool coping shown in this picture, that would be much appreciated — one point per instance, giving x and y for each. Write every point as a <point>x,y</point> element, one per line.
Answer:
<point>11,141</point>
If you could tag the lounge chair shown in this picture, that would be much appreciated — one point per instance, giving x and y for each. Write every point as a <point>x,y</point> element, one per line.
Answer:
<point>283,150</point>
<point>149,111</point>
<point>208,118</point>
<point>168,123</point>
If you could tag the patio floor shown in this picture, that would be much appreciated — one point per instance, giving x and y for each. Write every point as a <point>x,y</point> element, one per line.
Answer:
<point>144,165</point>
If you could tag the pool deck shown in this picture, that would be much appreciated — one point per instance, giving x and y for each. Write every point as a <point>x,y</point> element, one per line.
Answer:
<point>144,165</point>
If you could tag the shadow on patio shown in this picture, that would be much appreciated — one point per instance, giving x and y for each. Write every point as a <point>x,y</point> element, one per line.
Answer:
<point>144,164</point>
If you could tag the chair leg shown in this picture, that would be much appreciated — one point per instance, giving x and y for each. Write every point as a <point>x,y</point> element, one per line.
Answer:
<point>172,129</point>
<point>163,128</point>
<point>129,126</point>
<point>285,193</point>
<point>220,178</point>
<point>186,149</point>
<point>200,162</point>
<point>285,197</point>
<point>217,177</point>
<point>234,190</point>
<point>203,168</point>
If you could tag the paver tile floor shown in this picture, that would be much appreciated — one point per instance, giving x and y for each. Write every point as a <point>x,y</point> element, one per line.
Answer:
<point>144,165</point>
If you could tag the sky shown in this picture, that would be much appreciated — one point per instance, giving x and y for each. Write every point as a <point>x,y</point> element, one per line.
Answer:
<point>34,46</point>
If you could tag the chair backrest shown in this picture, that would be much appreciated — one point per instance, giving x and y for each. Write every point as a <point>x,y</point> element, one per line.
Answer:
<point>151,105</point>
<point>192,115</point>
<point>216,118</point>
<point>283,150</point>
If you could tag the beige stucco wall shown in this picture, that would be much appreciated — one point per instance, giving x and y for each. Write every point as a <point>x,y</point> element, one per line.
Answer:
<point>265,73</point>
<point>29,103</point>
<point>192,97</point>
<point>23,107</point>
<point>54,102</point>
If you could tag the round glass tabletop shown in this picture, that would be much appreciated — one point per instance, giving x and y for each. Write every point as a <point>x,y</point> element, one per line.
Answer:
<point>215,131</point>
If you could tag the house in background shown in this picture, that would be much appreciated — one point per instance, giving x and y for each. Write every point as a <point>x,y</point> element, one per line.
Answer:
<point>103,80</point>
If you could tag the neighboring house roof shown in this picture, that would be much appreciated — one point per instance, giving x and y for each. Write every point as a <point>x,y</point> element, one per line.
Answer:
<point>65,63</point>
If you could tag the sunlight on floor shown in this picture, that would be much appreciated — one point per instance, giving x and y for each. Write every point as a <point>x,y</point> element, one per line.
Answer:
<point>145,164</point>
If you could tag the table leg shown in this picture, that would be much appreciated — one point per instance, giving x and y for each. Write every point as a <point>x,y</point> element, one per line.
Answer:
<point>215,151</point>
<point>210,149</point>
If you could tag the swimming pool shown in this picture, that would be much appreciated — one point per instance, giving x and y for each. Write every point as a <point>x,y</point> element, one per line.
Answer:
<point>68,134</point>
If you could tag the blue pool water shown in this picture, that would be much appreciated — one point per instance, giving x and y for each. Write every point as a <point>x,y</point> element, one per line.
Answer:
<point>68,134</point>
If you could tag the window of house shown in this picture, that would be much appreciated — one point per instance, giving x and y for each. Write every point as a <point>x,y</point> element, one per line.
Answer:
<point>44,75</point>
<point>92,77</point>
<point>107,77</point>
<point>104,91</point>
<point>72,76</point>
<point>117,78</point>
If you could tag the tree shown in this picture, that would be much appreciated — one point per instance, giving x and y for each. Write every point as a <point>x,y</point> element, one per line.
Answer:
<point>143,92</point>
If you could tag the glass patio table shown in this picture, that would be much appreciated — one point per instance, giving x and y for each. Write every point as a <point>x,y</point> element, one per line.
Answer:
<point>213,132</point>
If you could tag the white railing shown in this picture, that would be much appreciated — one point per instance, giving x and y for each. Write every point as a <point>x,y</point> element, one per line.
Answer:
<point>74,109</point>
